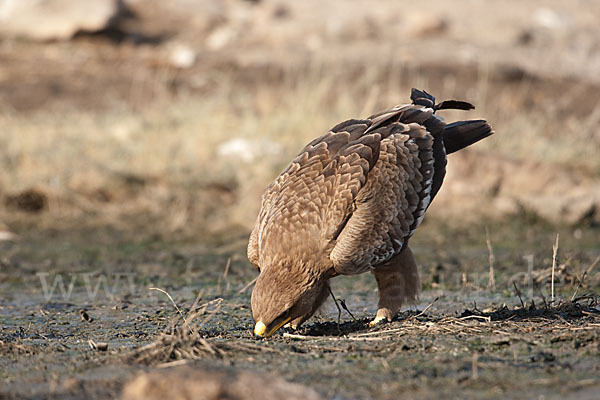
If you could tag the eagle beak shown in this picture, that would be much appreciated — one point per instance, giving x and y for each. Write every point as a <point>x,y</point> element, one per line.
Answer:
<point>260,329</point>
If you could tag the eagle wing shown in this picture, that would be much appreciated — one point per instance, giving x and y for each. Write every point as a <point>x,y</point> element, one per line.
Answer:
<point>291,221</point>
<point>391,204</point>
<point>353,197</point>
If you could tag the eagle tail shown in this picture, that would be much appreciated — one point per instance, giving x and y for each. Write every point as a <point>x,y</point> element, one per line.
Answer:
<point>422,98</point>
<point>457,135</point>
<point>461,134</point>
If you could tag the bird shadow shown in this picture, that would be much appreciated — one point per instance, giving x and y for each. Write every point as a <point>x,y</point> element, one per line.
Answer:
<point>356,325</point>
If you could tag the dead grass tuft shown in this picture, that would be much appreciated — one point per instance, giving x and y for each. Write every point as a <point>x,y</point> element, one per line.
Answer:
<point>198,165</point>
<point>187,340</point>
<point>578,308</point>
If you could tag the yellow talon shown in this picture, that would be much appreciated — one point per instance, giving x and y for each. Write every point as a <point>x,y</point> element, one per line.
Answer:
<point>377,321</point>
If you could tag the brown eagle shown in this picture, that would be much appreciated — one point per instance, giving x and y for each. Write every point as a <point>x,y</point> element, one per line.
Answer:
<point>348,204</point>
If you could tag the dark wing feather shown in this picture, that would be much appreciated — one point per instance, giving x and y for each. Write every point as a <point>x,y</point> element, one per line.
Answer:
<point>392,202</point>
<point>454,105</point>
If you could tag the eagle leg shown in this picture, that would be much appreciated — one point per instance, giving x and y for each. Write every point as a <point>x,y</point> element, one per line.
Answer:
<point>398,281</point>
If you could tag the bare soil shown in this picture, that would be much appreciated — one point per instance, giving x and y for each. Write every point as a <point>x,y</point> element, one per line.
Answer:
<point>462,339</point>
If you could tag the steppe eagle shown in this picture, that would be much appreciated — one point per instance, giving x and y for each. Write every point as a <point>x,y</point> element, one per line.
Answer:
<point>348,204</point>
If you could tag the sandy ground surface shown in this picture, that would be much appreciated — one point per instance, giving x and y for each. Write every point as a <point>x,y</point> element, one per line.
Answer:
<point>462,339</point>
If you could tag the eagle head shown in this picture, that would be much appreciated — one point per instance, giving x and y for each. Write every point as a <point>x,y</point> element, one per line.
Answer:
<point>286,294</point>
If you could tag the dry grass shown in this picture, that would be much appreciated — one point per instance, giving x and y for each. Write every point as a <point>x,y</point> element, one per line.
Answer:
<point>496,327</point>
<point>172,161</point>
<point>118,131</point>
<point>187,341</point>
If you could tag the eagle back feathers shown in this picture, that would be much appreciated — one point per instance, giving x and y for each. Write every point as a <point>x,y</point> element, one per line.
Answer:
<point>353,197</point>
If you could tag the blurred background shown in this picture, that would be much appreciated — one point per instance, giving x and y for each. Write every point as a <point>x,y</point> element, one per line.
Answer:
<point>137,136</point>
<point>155,120</point>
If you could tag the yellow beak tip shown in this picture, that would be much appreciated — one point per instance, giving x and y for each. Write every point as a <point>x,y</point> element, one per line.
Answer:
<point>260,329</point>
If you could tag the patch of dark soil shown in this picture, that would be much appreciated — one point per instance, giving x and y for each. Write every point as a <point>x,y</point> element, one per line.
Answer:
<point>563,310</point>
<point>331,328</point>
<point>484,351</point>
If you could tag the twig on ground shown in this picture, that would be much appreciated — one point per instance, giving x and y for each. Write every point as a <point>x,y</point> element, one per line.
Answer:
<point>519,294</point>
<point>541,277</point>
<point>388,331</point>
<point>484,318</point>
<point>170,298</point>
<point>584,275</point>
<point>427,308</point>
<point>218,301</point>
<point>224,278</point>
<point>345,307</point>
<point>554,253</point>
<point>227,268</point>
<point>296,336</point>
<point>492,258</point>
<point>338,308</point>
<point>252,282</point>
<point>97,346</point>
<point>172,364</point>
<point>196,302</point>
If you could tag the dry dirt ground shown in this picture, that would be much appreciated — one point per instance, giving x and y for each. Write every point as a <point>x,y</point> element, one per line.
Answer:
<point>120,171</point>
<point>462,339</point>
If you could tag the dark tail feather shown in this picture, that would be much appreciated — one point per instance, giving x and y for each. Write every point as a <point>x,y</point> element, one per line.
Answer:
<point>457,135</point>
<point>461,134</point>
<point>422,98</point>
<point>454,105</point>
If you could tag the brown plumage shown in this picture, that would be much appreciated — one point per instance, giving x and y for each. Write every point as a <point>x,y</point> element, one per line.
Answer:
<point>349,203</point>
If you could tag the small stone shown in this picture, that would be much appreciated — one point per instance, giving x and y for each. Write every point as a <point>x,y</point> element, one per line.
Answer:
<point>85,316</point>
<point>426,25</point>
<point>213,383</point>
<point>101,346</point>
<point>182,56</point>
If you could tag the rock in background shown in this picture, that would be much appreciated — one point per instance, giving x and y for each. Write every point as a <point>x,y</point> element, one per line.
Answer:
<point>202,383</point>
<point>499,186</point>
<point>46,20</point>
